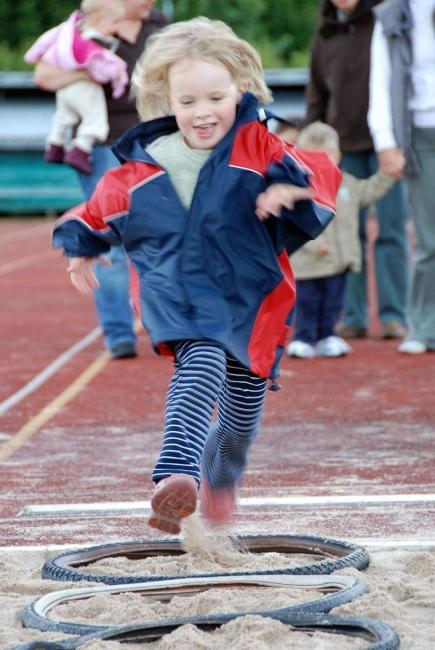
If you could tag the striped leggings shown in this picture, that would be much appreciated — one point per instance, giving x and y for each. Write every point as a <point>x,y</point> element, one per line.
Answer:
<point>206,375</point>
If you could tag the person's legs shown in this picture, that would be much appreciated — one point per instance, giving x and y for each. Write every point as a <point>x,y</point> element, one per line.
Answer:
<point>112,299</point>
<point>94,123</point>
<point>355,301</point>
<point>421,190</point>
<point>241,403</point>
<point>307,311</point>
<point>332,304</point>
<point>192,395</point>
<point>391,253</point>
<point>329,343</point>
<point>62,121</point>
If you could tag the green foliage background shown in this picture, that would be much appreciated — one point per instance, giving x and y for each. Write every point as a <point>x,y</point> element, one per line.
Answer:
<point>280,29</point>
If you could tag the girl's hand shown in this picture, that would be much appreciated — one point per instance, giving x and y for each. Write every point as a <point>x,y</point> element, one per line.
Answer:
<point>278,196</point>
<point>82,274</point>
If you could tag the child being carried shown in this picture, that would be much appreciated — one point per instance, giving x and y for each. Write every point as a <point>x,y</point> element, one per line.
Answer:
<point>83,42</point>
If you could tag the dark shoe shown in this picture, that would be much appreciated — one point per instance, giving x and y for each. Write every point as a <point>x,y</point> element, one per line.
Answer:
<point>351,331</point>
<point>54,153</point>
<point>124,351</point>
<point>393,330</point>
<point>79,159</point>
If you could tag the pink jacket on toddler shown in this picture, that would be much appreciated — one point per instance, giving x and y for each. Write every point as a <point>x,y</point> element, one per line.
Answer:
<point>65,47</point>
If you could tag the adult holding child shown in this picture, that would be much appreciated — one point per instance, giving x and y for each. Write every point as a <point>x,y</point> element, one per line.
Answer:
<point>112,298</point>
<point>338,94</point>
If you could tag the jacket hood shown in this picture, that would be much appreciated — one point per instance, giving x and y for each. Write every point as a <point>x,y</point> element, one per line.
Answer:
<point>330,23</point>
<point>131,145</point>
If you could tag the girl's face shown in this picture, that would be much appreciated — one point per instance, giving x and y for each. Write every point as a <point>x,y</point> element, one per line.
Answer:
<point>204,99</point>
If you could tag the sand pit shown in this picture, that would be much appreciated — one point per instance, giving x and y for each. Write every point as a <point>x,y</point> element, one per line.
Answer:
<point>402,593</point>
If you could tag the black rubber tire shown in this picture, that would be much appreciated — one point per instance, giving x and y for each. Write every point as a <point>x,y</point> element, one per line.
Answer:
<point>380,635</point>
<point>344,554</point>
<point>34,614</point>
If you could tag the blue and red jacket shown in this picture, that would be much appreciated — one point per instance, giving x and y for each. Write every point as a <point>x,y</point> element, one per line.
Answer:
<point>214,271</point>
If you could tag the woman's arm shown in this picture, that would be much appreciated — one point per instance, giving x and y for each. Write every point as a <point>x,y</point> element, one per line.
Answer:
<point>51,79</point>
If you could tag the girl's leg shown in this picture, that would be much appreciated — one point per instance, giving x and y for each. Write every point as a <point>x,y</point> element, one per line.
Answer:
<point>192,395</point>
<point>241,402</point>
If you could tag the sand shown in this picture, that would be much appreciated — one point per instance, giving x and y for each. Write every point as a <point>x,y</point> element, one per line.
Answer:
<point>402,593</point>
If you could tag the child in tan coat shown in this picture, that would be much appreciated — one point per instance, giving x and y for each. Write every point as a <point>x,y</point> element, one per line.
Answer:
<point>320,266</point>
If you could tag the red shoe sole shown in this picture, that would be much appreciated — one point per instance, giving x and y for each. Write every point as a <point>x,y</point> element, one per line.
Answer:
<point>175,499</point>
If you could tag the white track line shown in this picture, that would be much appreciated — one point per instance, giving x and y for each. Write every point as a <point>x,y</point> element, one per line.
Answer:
<point>381,544</point>
<point>24,261</point>
<point>26,233</point>
<point>50,370</point>
<point>248,502</point>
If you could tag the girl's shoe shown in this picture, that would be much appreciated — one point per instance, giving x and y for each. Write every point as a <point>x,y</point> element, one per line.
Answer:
<point>300,350</point>
<point>217,504</point>
<point>174,499</point>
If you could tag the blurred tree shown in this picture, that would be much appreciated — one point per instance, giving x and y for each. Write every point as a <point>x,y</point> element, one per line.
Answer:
<point>244,16</point>
<point>280,30</point>
<point>23,20</point>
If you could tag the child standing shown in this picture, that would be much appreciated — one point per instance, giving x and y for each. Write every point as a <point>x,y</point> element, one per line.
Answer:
<point>320,267</point>
<point>81,43</point>
<point>203,203</point>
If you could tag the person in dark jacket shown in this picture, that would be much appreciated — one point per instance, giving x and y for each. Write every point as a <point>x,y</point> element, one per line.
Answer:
<point>205,202</point>
<point>338,94</point>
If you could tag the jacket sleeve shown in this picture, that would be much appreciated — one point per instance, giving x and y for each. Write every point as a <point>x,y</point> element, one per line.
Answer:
<point>109,68</point>
<point>91,228</point>
<point>371,189</point>
<point>317,93</point>
<point>306,169</point>
<point>41,45</point>
<point>379,117</point>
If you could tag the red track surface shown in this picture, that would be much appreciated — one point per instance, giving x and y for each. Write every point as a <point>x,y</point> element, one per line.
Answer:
<point>363,425</point>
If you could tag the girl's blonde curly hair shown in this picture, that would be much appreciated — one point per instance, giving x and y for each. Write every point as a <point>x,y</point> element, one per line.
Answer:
<point>199,38</point>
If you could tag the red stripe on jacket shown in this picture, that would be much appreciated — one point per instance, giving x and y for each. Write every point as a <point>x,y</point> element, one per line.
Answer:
<point>325,178</point>
<point>255,148</point>
<point>270,327</point>
<point>112,195</point>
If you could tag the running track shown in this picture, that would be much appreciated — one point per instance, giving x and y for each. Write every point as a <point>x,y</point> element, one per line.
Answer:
<point>347,449</point>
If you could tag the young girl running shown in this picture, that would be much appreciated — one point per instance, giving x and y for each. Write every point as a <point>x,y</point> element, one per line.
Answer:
<point>205,202</point>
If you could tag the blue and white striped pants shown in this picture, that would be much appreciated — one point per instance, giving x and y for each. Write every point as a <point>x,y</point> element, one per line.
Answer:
<point>206,375</point>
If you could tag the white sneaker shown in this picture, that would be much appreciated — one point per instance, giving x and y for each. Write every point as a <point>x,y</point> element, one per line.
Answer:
<point>300,349</point>
<point>412,347</point>
<point>332,346</point>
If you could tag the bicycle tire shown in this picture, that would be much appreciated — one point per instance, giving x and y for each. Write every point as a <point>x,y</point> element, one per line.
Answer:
<point>344,555</point>
<point>380,635</point>
<point>347,588</point>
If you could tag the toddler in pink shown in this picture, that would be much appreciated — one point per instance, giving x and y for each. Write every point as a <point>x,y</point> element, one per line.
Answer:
<point>82,42</point>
